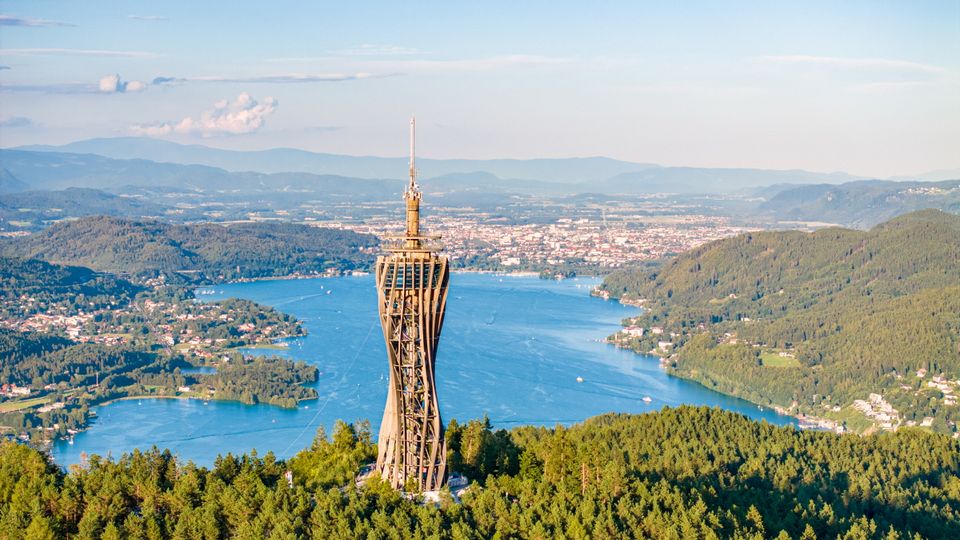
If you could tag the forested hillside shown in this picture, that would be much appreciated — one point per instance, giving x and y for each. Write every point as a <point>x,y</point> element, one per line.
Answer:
<point>813,322</point>
<point>199,252</point>
<point>31,210</point>
<point>29,286</point>
<point>680,473</point>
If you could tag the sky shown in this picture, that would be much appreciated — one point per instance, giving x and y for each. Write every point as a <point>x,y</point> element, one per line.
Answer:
<point>869,88</point>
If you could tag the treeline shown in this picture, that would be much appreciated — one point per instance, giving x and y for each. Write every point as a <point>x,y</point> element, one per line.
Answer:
<point>680,473</point>
<point>37,360</point>
<point>272,380</point>
<point>860,311</point>
<point>195,252</point>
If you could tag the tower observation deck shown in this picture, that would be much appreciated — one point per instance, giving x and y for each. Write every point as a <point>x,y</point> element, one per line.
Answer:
<point>412,294</point>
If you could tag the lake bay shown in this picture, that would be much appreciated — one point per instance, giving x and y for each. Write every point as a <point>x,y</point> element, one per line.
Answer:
<point>511,348</point>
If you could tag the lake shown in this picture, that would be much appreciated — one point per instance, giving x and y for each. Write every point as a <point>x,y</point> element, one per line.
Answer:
<point>512,348</point>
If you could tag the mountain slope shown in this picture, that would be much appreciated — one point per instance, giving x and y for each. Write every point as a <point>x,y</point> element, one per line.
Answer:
<point>697,180</point>
<point>32,208</point>
<point>56,170</point>
<point>854,312</point>
<point>862,204</point>
<point>10,183</point>
<point>202,251</point>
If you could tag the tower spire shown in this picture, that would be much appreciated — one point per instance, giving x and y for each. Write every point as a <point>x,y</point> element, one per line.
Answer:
<point>413,195</point>
<point>413,153</point>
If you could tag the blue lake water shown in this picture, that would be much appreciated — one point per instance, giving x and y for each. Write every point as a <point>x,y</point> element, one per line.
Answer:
<point>511,348</point>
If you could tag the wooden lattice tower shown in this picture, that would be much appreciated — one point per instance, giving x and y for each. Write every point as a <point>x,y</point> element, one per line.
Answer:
<point>412,294</point>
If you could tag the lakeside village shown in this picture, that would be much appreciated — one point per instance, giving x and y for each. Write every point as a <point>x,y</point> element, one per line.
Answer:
<point>875,408</point>
<point>145,341</point>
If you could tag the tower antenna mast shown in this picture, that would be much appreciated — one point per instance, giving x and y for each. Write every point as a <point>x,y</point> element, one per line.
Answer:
<point>413,155</point>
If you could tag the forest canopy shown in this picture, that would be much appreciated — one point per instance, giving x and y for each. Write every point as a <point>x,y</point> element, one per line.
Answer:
<point>690,472</point>
<point>201,252</point>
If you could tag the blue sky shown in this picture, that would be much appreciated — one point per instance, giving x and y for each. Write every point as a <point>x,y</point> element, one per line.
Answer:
<point>871,88</point>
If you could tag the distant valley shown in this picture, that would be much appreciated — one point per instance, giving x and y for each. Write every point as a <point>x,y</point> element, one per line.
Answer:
<point>144,177</point>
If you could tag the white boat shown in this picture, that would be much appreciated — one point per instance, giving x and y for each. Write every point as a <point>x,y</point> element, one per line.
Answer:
<point>580,379</point>
<point>70,441</point>
<point>647,399</point>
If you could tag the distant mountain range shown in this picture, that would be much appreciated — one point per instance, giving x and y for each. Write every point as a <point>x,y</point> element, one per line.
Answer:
<point>280,178</point>
<point>563,170</point>
<point>57,170</point>
<point>45,168</point>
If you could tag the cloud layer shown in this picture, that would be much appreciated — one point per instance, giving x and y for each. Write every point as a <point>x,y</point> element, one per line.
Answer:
<point>243,115</point>
<point>10,20</point>
<point>16,122</point>
<point>113,84</point>
<point>76,52</point>
<point>281,78</point>
<point>154,18</point>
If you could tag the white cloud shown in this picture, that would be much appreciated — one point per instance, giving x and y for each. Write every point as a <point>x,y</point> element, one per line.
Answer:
<point>154,18</point>
<point>10,20</point>
<point>243,115</point>
<point>113,84</point>
<point>282,78</point>
<point>77,52</point>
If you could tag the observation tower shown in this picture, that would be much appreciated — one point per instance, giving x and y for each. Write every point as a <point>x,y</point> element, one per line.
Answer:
<point>412,295</point>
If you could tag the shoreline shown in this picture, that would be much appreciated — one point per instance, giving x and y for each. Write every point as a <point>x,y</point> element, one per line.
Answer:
<point>804,421</point>
<point>49,444</point>
<point>360,273</point>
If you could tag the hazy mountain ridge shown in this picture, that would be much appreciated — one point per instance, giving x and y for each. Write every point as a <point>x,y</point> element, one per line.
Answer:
<point>862,204</point>
<point>585,171</point>
<point>58,170</point>
<point>713,180</point>
<point>294,160</point>
<point>55,170</point>
<point>44,206</point>
<point>770,195</point>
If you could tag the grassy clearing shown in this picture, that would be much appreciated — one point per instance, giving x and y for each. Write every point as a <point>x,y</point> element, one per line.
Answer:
<point>18,405</point>
<point>852,418</point>
<point>271,346</point>
<point>772,359</point>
